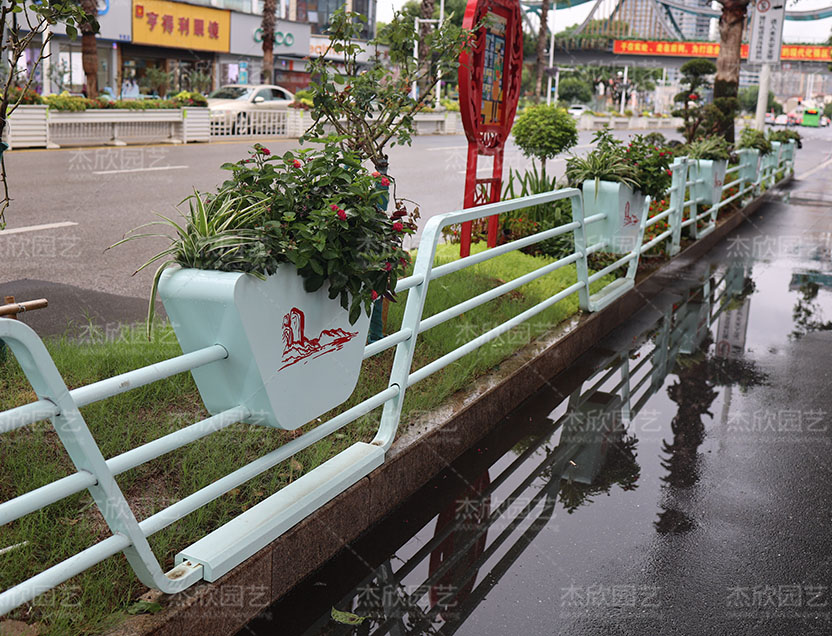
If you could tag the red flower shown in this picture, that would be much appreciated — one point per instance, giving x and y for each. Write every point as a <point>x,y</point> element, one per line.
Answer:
<point>296,163</point>
<point>374,294</point>
<point>670,172</point>
<point>693,97</point>
<point>342,215</point>
<point>398,227</point>
<point>265,151</point>
<point>385,181</point>
<point>388,267</point>
<point>376,174</point>
<point>333,207</point>
<point>403,261</point>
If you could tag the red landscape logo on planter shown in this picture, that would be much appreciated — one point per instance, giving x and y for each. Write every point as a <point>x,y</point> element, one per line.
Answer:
<point>298,348</point>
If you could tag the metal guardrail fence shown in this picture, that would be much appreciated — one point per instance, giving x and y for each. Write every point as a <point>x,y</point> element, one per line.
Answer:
<point>496,517</point>
<point>224,548</point>
<point>249,122</point>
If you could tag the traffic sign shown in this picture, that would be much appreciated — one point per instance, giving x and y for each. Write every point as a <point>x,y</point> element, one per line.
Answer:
<point>767,32</point>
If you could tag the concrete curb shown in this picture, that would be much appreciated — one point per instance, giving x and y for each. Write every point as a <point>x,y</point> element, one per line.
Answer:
<point>224,607</point>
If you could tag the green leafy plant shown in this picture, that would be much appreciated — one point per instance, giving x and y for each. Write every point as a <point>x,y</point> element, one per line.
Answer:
<point>367,103</point>
<point>696,115</point>
<point>189,98</point>
<point>754,139</point>
<point>640,165</point>
<point>543,132</point>
<point>537,218</point>
<point>715,148</point>
<point>317,209</point>
<point>785,135</point>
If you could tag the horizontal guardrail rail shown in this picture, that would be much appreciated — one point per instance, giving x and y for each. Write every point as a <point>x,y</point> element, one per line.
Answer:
<point>225,547</point>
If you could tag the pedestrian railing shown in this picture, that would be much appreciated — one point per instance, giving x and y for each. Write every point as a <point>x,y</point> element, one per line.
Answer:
<point>224,548</point>
<point>249,122</point>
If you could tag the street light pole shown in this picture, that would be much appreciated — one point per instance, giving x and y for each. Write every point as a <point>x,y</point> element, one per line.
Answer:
<point>439,70</point>
<point>551,59</point>
<point>624,90</point>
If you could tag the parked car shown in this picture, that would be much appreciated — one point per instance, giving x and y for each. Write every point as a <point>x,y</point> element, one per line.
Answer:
<point>770,118</point>
<point>245,99</point>
<point>782,120</point>
<point>576,110</point>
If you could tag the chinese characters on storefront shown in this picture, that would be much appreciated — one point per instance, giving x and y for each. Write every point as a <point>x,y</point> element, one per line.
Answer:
<point>180,25</point>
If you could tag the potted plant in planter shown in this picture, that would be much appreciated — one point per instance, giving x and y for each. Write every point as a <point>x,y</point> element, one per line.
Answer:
<point>789,139</point>
<point>709,157</point>
<point>759,147</point>
<point>615,180</point>
<point>280,266</point>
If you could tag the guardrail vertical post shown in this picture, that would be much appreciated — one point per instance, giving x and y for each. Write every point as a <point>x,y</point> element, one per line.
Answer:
<point>581,265</point>
<point>677,203</point>
<point>403,360</point>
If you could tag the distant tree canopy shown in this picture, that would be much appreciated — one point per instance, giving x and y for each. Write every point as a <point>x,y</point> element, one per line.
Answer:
<point>574,90</point>
<point>748,100</point>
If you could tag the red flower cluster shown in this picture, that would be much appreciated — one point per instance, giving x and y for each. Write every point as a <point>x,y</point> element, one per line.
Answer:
<point>399,227</point>
<point>340,212</point>
<point>265,151</point>
<point>296,163</point>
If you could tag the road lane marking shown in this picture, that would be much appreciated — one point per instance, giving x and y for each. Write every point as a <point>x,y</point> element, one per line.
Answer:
<point>446,148</point>
<point>140,170</point>
<point>35,228</point>
<point>803,175</point>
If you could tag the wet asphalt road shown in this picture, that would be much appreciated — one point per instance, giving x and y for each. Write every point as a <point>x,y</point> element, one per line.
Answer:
<point>106,192</point>
<point>677,480</point>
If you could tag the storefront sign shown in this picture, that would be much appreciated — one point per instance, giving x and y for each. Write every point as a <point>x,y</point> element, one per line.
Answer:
<point>113,19</point>
<point>319,44</point>
<point>180,25</point>
<point>795,52</point>
<point>290,38</point>
<point>280,38</point>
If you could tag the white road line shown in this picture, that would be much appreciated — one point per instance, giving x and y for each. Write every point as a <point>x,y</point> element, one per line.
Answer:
<point>140,170</point>
<point>803,175</point>
<point>446,148</point>
<point>35,228</point>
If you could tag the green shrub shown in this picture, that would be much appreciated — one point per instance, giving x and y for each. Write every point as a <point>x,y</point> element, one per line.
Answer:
<point>715,148</point>
<point>544,131</point>
<point>754,139</point>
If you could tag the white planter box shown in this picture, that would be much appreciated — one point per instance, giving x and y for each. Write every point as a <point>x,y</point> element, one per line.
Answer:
<point>28,128</point>
<point>750,167</point>
<point>787,150</point>
<point>292,355</point>
<point>624,209</point>
<point>116,126</point>
<point>196,123</point>
<point>712,174</point>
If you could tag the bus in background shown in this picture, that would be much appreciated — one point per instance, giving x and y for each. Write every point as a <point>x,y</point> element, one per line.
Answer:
<point>811,117</point>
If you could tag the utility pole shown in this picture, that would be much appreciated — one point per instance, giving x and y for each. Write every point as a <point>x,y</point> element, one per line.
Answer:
<point>762,97</point>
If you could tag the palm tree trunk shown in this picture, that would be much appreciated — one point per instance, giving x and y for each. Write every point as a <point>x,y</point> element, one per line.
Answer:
<point>425,13</point>
<point>726,82</point>
<point>89,50</point>
<point>541,48</point>
<point>267,26</point>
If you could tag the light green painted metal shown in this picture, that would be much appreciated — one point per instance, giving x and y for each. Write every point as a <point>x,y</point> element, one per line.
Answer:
<point>223,549</point>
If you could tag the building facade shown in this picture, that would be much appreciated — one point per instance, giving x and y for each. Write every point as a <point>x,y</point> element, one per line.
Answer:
<point>195,45</point>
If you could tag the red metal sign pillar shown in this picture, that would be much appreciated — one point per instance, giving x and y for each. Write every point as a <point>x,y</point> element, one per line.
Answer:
<point>489,87</point>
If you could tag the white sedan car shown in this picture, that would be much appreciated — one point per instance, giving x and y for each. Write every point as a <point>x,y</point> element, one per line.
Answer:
<point>241,104</point>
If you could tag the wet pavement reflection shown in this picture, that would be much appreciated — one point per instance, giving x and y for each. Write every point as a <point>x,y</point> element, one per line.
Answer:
<point>675,480</point>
